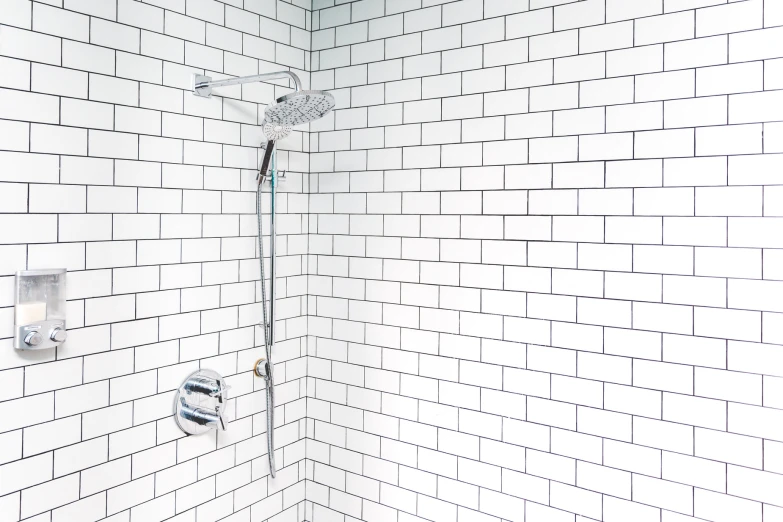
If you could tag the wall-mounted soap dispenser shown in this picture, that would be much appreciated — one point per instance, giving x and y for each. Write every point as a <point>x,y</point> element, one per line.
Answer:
<point>39,314</point>
<point>201,403</point>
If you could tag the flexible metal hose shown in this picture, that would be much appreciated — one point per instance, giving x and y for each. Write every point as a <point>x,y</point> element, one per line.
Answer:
<point>270,387</point>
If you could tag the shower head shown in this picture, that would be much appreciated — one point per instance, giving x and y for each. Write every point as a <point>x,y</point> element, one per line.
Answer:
<point>296,108</point>
<point>299,107</point>
<point>276,131</point>
<point>273,132</point>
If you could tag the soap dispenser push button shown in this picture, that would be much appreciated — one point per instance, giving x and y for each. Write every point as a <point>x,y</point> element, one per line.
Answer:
<point>58,335</point>
<point>33,339</point>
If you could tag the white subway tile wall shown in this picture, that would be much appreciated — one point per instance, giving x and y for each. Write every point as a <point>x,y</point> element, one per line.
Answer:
<point>111,168</point>
<point>544,262</point>
<point>529,266</point>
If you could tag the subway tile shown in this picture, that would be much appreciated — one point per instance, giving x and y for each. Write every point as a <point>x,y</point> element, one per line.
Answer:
<point>17,73</point>
<point>164,47</point>
<point>115,36</point>
<point>58,22</point>
<point>137,14</point>
<point>93,8</point>
<point>88,114</point>
<point>20,105</point>
<point>554,45</point>
<point>28,45</point>
<point>603,264</point>
<point>136,67</point>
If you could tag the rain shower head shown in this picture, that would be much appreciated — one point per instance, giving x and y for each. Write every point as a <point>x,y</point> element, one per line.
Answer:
<point>296,108</point>
<point>299,107</point>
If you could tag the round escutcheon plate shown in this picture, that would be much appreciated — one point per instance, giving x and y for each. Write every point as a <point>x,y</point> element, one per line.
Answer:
<point>200,402</point>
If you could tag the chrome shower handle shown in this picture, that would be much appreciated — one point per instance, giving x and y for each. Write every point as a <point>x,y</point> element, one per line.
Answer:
<point>207,386</point>
<point>201,416</point>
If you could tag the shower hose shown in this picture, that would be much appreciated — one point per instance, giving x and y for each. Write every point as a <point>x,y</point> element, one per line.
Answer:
<point>267,328</point>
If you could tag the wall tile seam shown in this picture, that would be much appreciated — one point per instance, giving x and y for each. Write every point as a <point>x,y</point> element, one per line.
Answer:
<point>550,134</point>
<point>539,188</point>
<point>232,492</point>
<point>550,162</point>
<point>130,401</point>
<point>575,375</point>
<point>469,120</point>
<point>585,160</point>
<point>544,8</point>
<point>429,261</point>
<point>168,315</point>
<point>164,10</point>
<point>539,293</point>
<point>163,62</point>
<point>560,508</point>
<point>504,215</point>
<point>157,497</point>
<point>498,467</point>
<point>140,146</point>
<point>474,148</point>
<point>538,242</point>
<point>516,291</point>
<point>224,3</point>
<point>461,72</point>
<point>179,189</point>
<point>483,487</point>
<point>137,398</point>
<point>142,108</point>
<point>662,45</point>
<point>460,508</point>
<point>530,190</point>
<point>133,478</point>
<point>552,31</point>
<point>661,418</point>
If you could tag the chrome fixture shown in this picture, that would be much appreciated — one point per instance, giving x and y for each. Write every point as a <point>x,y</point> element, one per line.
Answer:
<point>281,175</point>
<point>268,325</point>
<point>263,369</point>
<point>201,403</point>
<point>296,108</point>
<point>39,313</point>
<point>203,85</point>
<point>300,107</point>
<point>276,131</point>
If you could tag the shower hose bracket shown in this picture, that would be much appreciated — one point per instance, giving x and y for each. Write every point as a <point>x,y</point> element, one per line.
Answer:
<point>262,369</point>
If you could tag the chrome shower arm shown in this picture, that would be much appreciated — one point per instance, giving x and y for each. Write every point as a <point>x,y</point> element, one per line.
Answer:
<point>203,85</point>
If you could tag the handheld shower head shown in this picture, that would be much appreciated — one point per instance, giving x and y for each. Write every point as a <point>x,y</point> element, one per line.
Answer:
<point>276,131</point>
<point>299,107</point>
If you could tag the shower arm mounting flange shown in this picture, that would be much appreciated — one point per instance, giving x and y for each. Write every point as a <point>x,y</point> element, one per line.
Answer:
<point>203,85</point>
